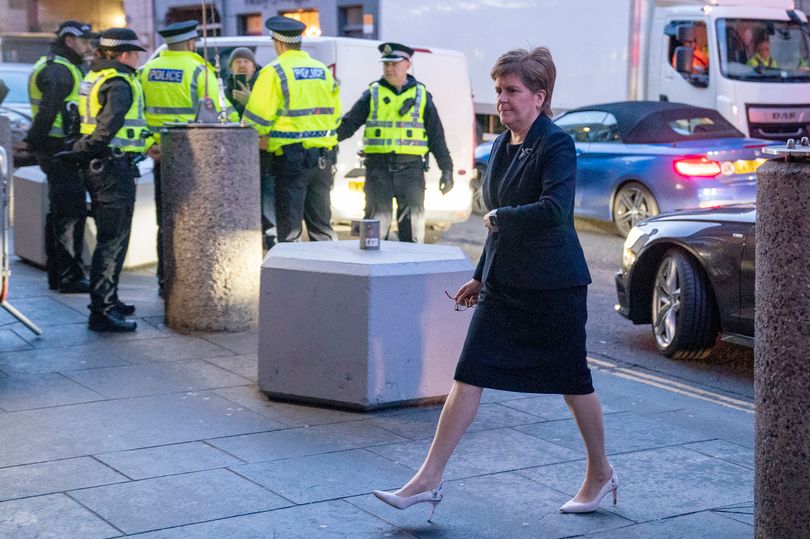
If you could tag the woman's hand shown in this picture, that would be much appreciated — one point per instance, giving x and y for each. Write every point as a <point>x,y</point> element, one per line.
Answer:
<point>488,224</point>
<point>467,295</point>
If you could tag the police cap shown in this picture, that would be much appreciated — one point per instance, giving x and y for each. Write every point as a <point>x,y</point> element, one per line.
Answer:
<point>77,29</point>
<point>285,29</point>
<point>180,31</point>
<point>119,40</point>
<point>395,52</point>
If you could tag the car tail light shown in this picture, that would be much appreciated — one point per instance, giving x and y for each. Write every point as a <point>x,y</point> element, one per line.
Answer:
<point>697,166</point>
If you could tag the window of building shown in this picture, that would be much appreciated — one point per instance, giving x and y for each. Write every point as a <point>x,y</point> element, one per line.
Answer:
<point>350,21</point>
<point>250,24</point>
<point>310,17</point>
<point>185,13</point>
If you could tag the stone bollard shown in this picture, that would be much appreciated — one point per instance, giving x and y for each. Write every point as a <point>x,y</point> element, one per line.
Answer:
<point>782,349</point>
<point>211,226</point>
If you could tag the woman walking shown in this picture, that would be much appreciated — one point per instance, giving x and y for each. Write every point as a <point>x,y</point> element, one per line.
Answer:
<point>530,286</point>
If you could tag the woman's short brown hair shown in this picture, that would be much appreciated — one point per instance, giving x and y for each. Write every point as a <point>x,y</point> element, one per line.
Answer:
<point>535,68</point>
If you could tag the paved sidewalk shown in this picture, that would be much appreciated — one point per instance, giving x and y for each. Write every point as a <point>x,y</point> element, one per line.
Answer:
<point>163,435</point>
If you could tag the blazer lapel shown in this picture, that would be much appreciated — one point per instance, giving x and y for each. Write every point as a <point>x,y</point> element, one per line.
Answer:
<point>490,185</point>
<point>529,146</point>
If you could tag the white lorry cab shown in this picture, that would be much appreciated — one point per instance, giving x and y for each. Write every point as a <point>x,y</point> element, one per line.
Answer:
<point>617,50</point>
<point>355,63</point>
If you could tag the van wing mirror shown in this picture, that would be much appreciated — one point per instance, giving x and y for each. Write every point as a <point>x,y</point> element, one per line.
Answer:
<point>3,91</point>
<point>683,59</point>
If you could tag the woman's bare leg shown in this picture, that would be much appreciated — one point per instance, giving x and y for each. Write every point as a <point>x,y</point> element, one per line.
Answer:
<point>458,412</point>
<point>588,414</point>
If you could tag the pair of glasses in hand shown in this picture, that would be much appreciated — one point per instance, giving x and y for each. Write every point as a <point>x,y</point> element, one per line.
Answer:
<point>460,305</point>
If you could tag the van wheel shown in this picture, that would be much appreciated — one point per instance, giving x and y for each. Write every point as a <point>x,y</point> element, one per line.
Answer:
<point>633,203</point>
<point>684,319</point>
<point>478,206</point>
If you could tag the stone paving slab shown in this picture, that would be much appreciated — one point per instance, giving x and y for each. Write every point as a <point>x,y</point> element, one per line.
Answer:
<point>421,425</point>
<point>45,312</point>
<point>727,451</point>
<point>176,500</point>
<point>326,477</point>
<point>705,525</point>
<point>168,348</point>
<point>624,432</point>
<point>44,360</point>
<point>101,427</point>
<point>499,505</point>
<point>292,415</point>
<point>168,460</point>
<point>55,476</point>
<point>10,341</point>
<point>285,444</point>
<point>238,343</point>
<point>156,378</point>
<point>328,520</point>
<point>55,516</point>
<point>660,483</point>
<point>245,366</point>
<point>741,513</point>
<point>715,422</point>
<point>29,391</point>
<point>548,407</point>
<point>484,452</point>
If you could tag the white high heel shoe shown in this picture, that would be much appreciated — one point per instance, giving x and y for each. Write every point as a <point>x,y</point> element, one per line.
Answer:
<point>612,485</point>
<point>433,497</point>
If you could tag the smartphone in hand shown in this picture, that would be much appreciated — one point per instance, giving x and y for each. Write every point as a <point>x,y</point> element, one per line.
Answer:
<point>237,78</point>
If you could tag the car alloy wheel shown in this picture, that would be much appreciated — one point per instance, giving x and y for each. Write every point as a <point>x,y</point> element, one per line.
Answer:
<point>633,203</point>
<point>684,318</point>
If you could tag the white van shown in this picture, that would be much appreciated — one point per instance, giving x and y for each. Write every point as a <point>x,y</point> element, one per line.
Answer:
<point>355,64</point>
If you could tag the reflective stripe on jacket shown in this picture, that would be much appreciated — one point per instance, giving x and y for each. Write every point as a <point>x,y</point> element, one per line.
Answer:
<point>131,137</point>
<point>295,100</point>
<point>35,94</point>
<point>173,84</point>
<point>389,131</point>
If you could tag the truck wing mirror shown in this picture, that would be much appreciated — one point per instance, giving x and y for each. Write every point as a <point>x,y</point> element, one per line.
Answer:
<point>685,32</point>
<point>683,59</point>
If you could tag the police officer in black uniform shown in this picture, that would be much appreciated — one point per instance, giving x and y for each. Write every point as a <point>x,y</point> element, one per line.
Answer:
<point>53,89</point>
<point>402,126</point>
<point>111,105</point>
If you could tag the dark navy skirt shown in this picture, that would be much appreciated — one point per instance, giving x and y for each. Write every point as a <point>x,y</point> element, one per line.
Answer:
<point>530,341</point>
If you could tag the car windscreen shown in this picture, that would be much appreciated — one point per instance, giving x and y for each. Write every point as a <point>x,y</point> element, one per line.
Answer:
<point>681,125</point>
<point>17,82</point>
<point>764,50</point>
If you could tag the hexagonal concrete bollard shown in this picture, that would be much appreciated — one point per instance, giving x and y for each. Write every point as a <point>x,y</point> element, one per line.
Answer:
<point>360,329</point>
<point>212,236</point>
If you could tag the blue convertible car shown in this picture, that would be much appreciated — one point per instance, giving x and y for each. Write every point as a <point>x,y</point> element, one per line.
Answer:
<point>636,159</point>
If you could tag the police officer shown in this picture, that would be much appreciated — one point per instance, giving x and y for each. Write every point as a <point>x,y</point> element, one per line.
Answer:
<point>402,125</point>
<point>295,107</point>
<point>115,138</point>
<point>53,90</point>
<point>174,86</point>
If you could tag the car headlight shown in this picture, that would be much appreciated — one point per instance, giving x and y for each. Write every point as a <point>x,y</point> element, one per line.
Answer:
<point>628,255</point>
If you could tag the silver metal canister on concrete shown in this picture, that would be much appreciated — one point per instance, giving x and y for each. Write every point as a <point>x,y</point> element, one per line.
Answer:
<point>368,230</point>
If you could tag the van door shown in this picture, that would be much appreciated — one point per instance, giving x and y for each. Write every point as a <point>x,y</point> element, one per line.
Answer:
<point>697,88</point>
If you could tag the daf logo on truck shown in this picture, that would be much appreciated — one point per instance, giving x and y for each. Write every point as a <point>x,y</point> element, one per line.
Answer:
<point>782,116</point>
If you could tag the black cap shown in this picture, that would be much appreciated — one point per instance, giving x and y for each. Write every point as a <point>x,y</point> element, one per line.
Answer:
<point>119,40</point>
<point>395,52</point>
<point>77,29</point>
<point>180,31</point>
<point>285,29</point>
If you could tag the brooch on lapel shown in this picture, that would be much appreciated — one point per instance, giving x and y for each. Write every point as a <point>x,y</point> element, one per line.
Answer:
<point>523,153</point>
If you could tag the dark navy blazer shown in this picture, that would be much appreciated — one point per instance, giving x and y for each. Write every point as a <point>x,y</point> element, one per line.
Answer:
<point>536,246</point>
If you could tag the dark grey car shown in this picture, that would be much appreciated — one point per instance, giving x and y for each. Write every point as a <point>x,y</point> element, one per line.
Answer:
<point>691,276</point>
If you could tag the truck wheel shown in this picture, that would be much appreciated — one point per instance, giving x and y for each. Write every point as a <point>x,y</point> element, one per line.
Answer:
<point>684,319</point>
<point>632,203</point>
<point>478,206</point>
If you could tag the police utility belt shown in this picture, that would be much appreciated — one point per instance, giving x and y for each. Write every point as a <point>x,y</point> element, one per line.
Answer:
<point>396,162</point>
<point>308,157</point>
<point>116,156</point>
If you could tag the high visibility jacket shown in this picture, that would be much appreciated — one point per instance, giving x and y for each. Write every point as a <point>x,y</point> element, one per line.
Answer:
<point>173,84</point>
<point>758,61</point>
<point>389,131</point>
<point>35,94</point>
<point>133,135</point>
<point>295,100</point>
